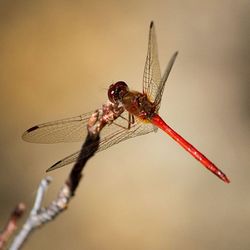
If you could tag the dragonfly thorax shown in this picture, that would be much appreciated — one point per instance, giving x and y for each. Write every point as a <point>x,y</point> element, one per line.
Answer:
<point>138,104</point>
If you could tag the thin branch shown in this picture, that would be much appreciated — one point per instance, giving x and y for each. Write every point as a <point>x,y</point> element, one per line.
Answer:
<point>39,215</point>
<point>11,225</point>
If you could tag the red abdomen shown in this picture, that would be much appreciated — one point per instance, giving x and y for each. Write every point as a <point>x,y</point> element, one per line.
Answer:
<point>157,121</point>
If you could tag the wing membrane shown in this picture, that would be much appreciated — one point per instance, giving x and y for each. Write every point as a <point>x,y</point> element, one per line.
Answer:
<point>164,79</point>
<point>65,130</point>
<point>111,135</point>
<point>152,73</point>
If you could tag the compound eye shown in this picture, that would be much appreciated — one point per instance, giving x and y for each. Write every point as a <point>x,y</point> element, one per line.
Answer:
<point>117,91</point>
<point>111,93</point>
<point>121,86</point>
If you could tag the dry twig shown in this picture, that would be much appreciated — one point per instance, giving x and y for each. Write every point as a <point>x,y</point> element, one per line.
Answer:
<point>39,215</point>
<point>11,224</point>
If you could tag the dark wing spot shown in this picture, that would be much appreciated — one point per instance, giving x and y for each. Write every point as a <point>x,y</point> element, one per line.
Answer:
<point>53,167</point>
<point>32,129</point>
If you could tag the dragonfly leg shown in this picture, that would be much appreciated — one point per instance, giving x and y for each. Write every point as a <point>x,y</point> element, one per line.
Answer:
<point>126,119</point>
<point>130,120</point>
<point>120,125</point>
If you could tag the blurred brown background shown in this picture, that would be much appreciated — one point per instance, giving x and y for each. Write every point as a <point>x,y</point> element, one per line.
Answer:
<point>58,59</point>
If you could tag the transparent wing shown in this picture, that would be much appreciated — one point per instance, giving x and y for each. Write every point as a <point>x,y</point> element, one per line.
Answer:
<point>161,86</point>
<point>66,130</point>
<point>152,73</point>
<point>111,135</point>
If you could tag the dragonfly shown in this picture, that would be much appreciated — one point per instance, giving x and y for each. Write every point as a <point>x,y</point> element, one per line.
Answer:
<point>138,115</point>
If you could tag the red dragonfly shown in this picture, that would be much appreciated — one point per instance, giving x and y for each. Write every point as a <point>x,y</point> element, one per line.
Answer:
<point>138,115</point>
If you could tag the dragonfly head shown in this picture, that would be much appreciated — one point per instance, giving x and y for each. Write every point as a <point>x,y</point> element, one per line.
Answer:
<point>117,91</point>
